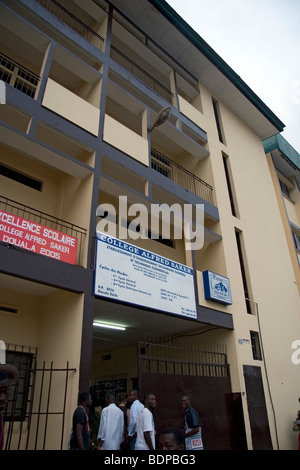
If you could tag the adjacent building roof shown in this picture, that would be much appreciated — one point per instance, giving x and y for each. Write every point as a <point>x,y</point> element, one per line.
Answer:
<point>285,157</point>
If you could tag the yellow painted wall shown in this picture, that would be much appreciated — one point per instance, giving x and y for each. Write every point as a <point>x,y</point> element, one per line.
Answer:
<point>76,199</point>
<point>268,266</point>
<point>292,211</point>
<point>45,200</point>
<point>60,341</point>
<point>272,281</point>
<point>283,204</point>
<point>52,324</point>
<point>23,328</point>
<point>191,112</point>
<point>71,107</point>
<point>62,196</point>
<point>126,140</point>
<point>177,253</point>
<point>123,361</point>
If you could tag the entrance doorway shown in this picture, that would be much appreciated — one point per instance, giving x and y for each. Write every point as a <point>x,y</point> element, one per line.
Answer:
<point>164,355</point>
<point>260,431</point>
<point>169,371</point>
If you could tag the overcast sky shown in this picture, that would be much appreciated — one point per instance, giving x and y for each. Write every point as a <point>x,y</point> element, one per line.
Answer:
<point>260,41</point>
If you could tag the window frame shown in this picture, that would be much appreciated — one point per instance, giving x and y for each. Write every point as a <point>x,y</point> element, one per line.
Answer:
<point>16,409</point>
<point>256,346</point>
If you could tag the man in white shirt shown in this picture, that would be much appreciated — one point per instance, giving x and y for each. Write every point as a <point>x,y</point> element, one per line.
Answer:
<point>134,412</point>
<point>111,427</point>
<point>145,425</point>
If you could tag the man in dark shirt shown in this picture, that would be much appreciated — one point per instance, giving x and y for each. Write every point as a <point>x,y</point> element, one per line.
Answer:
<point>192,426</point>
<point>80,439</point>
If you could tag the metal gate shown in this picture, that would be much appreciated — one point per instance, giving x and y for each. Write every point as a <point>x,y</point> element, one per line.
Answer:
<point>169,371</point>
<point>37,404</point>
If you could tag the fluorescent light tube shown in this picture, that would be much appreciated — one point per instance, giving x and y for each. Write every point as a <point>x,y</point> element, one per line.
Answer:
<point>106,325</point>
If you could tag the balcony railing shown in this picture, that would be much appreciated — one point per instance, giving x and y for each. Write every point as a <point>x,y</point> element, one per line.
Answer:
<point>42,218</point>
<point>180,175</point>
<point>141,74</point>
<point>73,22</point>
<point>18,76</point>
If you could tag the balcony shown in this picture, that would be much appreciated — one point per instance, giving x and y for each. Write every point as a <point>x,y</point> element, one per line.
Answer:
<point>151,82</point>
<point>180,175</point>
<point>18,76</point>
<point>72,21</point>
<point>47,220</point>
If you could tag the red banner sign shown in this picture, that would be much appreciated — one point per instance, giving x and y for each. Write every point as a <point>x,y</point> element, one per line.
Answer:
<point>37,238</point>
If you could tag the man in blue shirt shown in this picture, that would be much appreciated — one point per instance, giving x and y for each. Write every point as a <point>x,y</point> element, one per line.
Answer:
<point>192,426</point>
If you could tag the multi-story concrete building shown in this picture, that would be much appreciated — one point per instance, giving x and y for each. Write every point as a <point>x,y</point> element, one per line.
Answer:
<point>83,158</point>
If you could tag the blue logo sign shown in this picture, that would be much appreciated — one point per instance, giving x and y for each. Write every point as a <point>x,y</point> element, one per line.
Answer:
<point>217,288</point>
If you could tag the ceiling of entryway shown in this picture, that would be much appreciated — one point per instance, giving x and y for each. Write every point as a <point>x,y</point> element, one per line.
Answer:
<point>25,287</point>
<point>140,324</point>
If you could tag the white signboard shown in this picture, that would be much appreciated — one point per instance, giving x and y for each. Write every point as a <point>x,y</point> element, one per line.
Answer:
<point>131,274</point>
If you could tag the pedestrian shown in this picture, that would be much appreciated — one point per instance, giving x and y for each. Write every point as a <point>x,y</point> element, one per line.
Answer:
<point>192,426</point>
<point>296,426</point>
<point>80,435</point>
<point>297,423</point>
<point>111,428</point>
<point>8,375</point>
<point>95,421</point>
<point>145,427</point>
<point>171,439</point>
<point>135,409</point>
<point>123,405</point>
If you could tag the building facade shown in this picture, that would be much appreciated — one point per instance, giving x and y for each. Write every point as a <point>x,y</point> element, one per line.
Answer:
<point>100,201</point>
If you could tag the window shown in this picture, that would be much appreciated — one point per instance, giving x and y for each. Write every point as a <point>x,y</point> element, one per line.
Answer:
<point>284,189</point>
<point>20,177</point>
<point>158,238</point>
<point>229,185</point>
<point>255,343</point>
<point>243,271</point>
<point>16,408</point>
<point>296,240</point>
<point>218,121</point>
<point>149,234</point>
<point>9,309</point>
